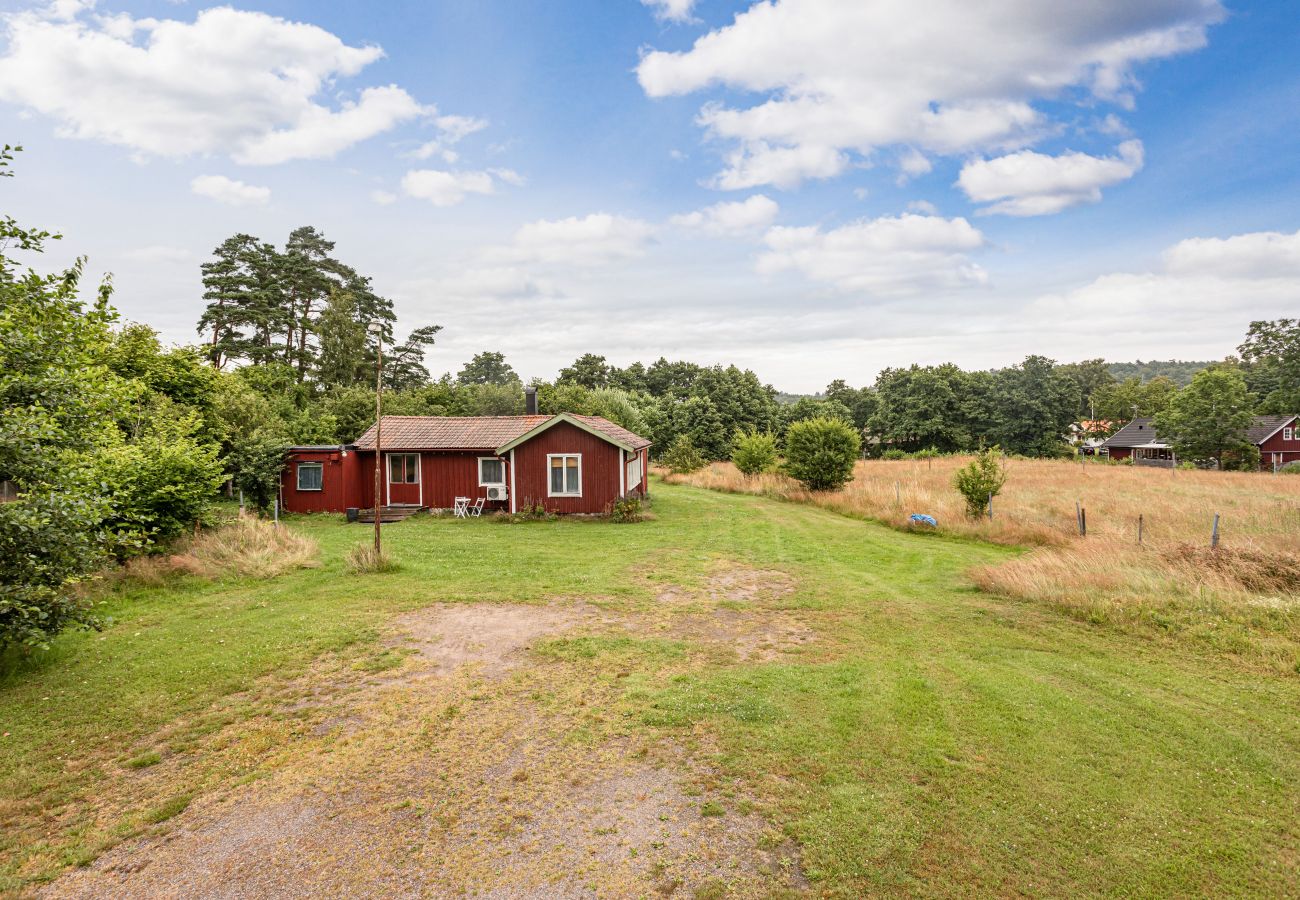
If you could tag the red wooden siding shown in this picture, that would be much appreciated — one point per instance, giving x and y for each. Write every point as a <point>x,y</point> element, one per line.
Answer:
<point>1278,449</point>
<point>338,477</point>
<point>601,464</point>
<point>448,475</point>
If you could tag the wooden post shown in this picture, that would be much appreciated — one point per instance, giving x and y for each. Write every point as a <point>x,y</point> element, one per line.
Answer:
<point>1078,517</point>
<point>275,510</point>
<point>1214,534</point>
<point>1083,521</point>
<point>1139,528</point>
<point>241,501</point>
<point>379,432</point>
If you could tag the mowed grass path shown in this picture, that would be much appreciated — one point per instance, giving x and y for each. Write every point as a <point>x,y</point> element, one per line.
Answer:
<point>935,740</point>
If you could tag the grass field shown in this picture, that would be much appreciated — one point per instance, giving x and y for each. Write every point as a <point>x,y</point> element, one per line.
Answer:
<point>842,682</point>
<point>1243,600</point>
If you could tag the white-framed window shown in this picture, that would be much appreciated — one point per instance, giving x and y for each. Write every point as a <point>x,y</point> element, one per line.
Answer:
<point>564,475</point>
<point>491,471</point>
<point>311,476</point>
<point>1287,434</point>
<point>403,468</point>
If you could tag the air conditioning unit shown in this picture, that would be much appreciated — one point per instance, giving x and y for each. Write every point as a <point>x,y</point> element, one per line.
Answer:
<point>498,492</point>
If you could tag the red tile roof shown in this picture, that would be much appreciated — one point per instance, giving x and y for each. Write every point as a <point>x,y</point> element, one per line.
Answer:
<point>477,432</point>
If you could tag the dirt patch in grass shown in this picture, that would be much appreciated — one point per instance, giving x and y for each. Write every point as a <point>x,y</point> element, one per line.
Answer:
<point>491,637</point>
<point>473,768</point>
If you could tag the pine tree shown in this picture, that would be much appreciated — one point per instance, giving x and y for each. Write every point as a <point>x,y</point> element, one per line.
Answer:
<point>245,310</point>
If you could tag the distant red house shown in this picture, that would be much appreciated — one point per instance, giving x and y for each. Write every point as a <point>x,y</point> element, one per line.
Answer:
<point>1277,437</point>
<point>566,463</point>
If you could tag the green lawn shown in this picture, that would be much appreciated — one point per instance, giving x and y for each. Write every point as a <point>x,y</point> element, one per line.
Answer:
<point>933,740</point>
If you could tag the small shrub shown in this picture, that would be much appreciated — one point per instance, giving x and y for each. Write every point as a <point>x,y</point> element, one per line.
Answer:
<point>626,510</point>
<point>893,453</point>
<point>982,479</point>
<point>364,560</point>
<point>528,512</point>
<point>682,458</point>
<point>712,809</point>
<point>1291,468</point>
<point>753,452</point>
<point>821,453</point>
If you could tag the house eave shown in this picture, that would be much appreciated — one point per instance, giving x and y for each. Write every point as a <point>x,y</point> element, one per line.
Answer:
<point>555,420</point>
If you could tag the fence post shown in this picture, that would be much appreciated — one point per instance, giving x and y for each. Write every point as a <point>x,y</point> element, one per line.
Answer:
<point>1214,534</point>
<point>1083,521</point>
<point>275,511</point>
<point>1139,528</point>
<point>241,501</point>
<point>1078,517</point>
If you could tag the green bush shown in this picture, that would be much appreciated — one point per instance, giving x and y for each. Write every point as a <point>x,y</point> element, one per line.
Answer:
<point>821,453</point>
<point>1291,468</point>
<point>981,480</point>
<point>682,458</point>
<point>753,452</point>
<point>893,453</point>
<point>625,510</point>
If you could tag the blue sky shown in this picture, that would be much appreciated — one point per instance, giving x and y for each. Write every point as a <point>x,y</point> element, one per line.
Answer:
<point>809,188</point>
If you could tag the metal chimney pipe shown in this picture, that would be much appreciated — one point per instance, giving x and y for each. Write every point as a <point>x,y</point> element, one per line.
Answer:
<point>530,400</point>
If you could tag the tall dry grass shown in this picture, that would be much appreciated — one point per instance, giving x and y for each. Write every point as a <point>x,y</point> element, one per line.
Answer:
<point>247,547</point>
<point>1243,598</point>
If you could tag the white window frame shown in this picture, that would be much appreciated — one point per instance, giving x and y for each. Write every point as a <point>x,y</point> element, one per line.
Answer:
<point>407,457</point>
<point>495,459</point>
<point>551,456</point>
<point>311,465</point>
<point>1287,434</point>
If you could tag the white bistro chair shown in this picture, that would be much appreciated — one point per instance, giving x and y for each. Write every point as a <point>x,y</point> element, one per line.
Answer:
<point>460,509</point>
<point>477,509</point>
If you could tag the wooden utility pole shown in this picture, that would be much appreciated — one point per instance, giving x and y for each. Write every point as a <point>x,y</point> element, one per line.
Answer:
<point>379,431</point>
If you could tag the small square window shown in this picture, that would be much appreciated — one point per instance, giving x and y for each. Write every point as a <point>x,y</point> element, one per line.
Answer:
<point>311,476</point>
<point>565,475</point>
<point>1287,434</point>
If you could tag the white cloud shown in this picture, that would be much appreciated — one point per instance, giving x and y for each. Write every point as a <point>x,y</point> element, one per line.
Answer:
<point>446,188</point>
<point>1206,293</point>
<point>784,167</point>
<point>939,76</point>
<point>925,207</point>
<point>1034,184</point>
<point>383,198</point>
<point>592,240</point>
<point>509,176</point>
<point>233,82</point>
<point>451,131</point>
<point>1257,256</point>
<point>229,191</point>
<point>671,10</point>
<point>886,256</point>
<point>730,219</point>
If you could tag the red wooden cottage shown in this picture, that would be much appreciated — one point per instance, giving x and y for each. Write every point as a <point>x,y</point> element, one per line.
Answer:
<point>1277,437</point>
<point>567,463</point>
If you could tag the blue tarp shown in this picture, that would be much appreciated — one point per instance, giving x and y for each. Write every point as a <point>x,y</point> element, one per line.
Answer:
<point>923,519</point>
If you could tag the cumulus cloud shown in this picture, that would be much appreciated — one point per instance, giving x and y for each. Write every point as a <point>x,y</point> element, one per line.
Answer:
<point>1256,256</point>
<point>730,219</point>
<point>592,240</point>
<point>383,198</point>
<point>840,78</point>
<point>891,255</point>
<point>233,82</point>
<point>671,10</point>
<point>229,191</point>
<point>1034,184</point>
<point>446,188</point>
